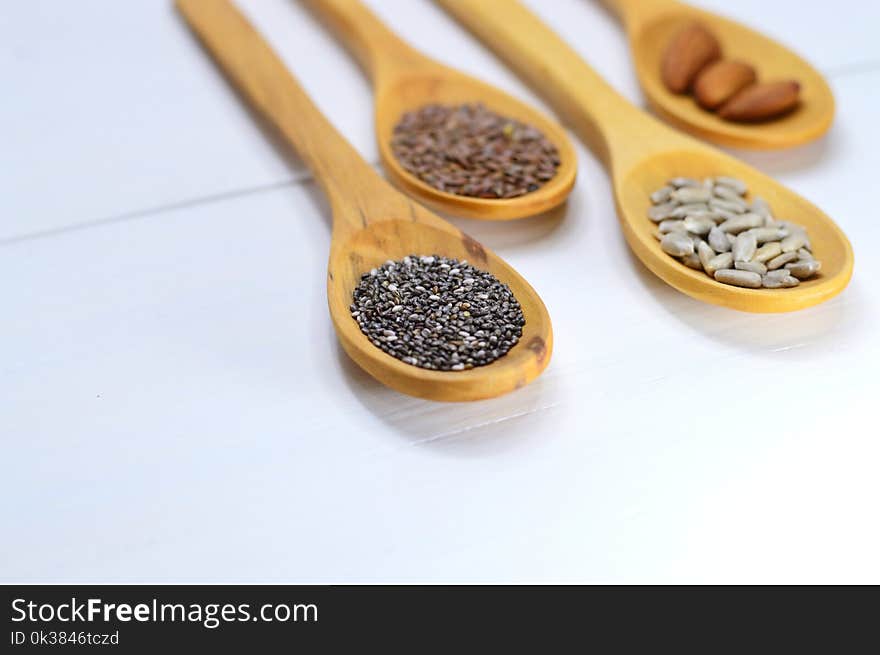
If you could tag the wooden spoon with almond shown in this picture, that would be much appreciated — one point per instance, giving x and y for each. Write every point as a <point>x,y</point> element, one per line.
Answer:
<point>785,81</point>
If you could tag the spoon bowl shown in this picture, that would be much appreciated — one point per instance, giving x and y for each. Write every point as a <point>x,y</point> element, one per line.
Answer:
<point>405,80</point>
<point>409,93</point>
<point>830,245</point>
<point>651,25</point>
<point>372,222</point>
<point>642,154</point>
<point>396,238</point>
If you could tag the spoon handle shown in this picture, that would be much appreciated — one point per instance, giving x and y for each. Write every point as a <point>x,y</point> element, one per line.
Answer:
<point>635,13</point>
<point>263,79</point>
<point>378,50</point>
<point>615,130</point>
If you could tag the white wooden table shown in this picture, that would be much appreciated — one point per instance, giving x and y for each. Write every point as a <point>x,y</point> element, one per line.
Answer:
<point>174,406</point>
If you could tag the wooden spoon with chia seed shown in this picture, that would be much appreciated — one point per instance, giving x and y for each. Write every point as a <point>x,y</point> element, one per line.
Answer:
<point>405,80</point>
<point>641,154</point>
<point>372,222</point>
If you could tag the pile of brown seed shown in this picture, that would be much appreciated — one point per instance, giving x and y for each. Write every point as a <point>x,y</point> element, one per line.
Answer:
<point>711,227</point>
<point>471,151</point>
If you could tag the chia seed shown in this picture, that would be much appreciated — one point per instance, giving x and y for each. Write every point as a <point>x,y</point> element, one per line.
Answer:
<point>471,151</point>
<point>437,313</point>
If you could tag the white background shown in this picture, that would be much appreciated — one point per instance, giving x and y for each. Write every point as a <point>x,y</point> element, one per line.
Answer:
<point>174,406</point>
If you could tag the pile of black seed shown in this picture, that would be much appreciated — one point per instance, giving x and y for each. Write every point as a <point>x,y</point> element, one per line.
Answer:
<point>471,151</point>
<point>437,313</point>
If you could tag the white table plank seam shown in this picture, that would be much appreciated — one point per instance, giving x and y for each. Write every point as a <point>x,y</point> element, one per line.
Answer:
<point>150,212</point>
<point>299,178</point>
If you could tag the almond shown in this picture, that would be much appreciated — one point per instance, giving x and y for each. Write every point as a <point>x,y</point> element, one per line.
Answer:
<point>761,101</point>
<point>687,54</point>
<point>718,82</point>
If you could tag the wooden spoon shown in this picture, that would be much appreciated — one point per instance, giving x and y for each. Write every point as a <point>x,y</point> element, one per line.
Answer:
<point>405,79</point>
<point>642,153</point>
<point>372,222</point>
<point>651,24</point>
